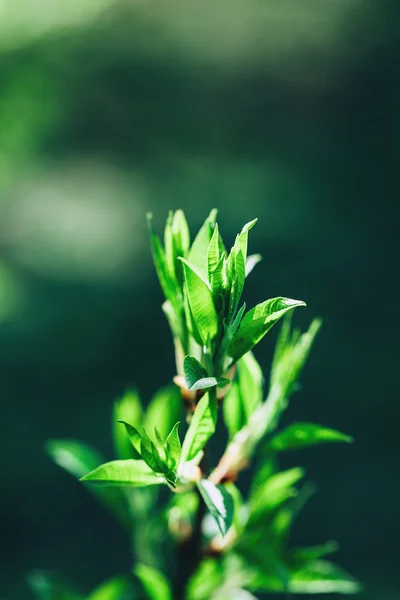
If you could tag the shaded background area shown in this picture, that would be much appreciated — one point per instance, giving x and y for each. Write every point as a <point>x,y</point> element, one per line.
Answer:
<point>289,111</point>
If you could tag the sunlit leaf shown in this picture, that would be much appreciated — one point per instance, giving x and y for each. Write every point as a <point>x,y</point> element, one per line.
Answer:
<point>273,492</point>
<point>167,280</point>
<point>201,303</point>
<point>164,410</point>
<point>302,435</point>
<point>258,321</point>
<point>73,456</point>
<point>133,436</point>
<point>251,262</point>
<point>117,588</point>
<point>322,577</point>
<point>128,409</point>
<point>233,411</point>
<point>219,502</point>
<point>198,252</point>
<point>154,582</point>
<point>250,383</point>
<point>151,455</point>
<point>123,473</point>
<point>173,447</point>
<point>201,428</point>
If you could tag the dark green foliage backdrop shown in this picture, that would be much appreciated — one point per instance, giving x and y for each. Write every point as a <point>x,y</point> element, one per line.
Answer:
<point>289,112</point>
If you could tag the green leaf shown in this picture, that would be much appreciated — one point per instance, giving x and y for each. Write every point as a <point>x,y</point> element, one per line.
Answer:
<point>201,303</point>
<point>322,577</point>
<point>250,383</point>
<point>123,473</point>
<point>73,456</point>
<point>117,588</point>
<point>219,502</point>
<point>167,280</point>
<point>313,552</point>
<point>173,447</point>
<point>273,492</point>
<point>164,410</point>
<point>205,580</point>
<point>194,370</point>
<point>232,407</point>
<point>302,435</point>
<point>151,455</point>
<point>128,409</point>
<point>198,253</point>
<point>154,582</point>
<point>258,321</point>
<point>133,436</point>
<point>201,428</point>
<point>196,375</point>
<point>213,252</point>
<point>251,262</point>
<point>176,242</point>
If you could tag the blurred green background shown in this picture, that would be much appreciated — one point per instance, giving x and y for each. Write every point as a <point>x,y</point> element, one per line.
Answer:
<point>286,110</point>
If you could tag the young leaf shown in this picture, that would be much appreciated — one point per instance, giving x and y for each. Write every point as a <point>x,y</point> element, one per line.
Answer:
<point>123,473</point>
<point>133,436</point>
<point>167,280</point>
<point>304,555</point>
<point>201,428</point>
<point>250,383</point>
<point>219,502</point>
<point>128,409</point>
<point>173,447</point>
<point>232,407</point>
<point>322,577</point>
<point>117,588</point>
<point>273,492</point>
<point>151,455</point>
<point>251,262</point>
<point>154,582</point>
<point>201,303</point>
<point>73,456</point>
<point>213,252</point>
<point>198,253</point>
<point>164,410</point>
<point>257,322</point>
<point>193,369</point>
<point>302,435</point>
<point>205,383</point>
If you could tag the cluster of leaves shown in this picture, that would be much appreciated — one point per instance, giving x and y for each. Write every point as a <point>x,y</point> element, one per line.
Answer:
<point>241,543</point>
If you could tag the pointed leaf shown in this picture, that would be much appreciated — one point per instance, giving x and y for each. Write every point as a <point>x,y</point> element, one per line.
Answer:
<point>232,407</point>
<point>201,303</point>
<point>133,436</point>
<point>194,370</point>
<point>205,383</point>
<point>167,280</point>
<point>313,552</point>
<point>73,456</point>
<point>250,383</point>
<point>201,428</point>
<point>302,435</point>
<point>273,492</point>
<point>258,321</point>
<point>219,502</point>
<point>251,262</point>
<point>213,252</point>
<point>117,588</point>
<point>198,252</point>
<point>154,582</point>
<point>173,447</point>
<point>151,455</point>
<point>123,473</point>
<point>322,577</point>
<point>128,409</point>
<point>164,410</point>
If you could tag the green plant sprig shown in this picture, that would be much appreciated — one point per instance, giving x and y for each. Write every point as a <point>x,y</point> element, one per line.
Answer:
<point>235,545</point>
